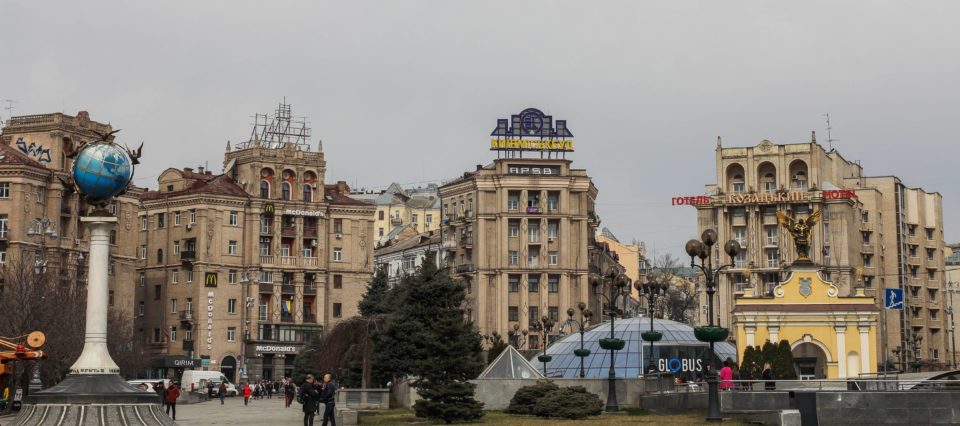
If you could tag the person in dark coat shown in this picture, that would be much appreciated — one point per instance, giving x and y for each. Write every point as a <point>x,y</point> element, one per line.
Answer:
<point>328,396</point>
<point>289,391</point>
<point>310,397</point>
<point>173,392</point>
<point>768,377</point>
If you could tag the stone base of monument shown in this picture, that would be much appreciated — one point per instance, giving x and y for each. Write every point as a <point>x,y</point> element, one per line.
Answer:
<point>99,399</point>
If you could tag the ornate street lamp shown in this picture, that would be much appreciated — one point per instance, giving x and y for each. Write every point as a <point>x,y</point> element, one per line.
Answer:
<point>544,326</point>
<point>517,336</point>
<point>585,315</point>
<point>619,286</point>
<point>652,290</point>
<point>703,249</point>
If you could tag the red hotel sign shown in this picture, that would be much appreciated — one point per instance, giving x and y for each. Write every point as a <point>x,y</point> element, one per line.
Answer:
<point>699,200</point>
<point>839,194</point>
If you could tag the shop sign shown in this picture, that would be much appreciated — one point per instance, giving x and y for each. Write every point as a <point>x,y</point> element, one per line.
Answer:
<point>209,320</point>
<point>839,194</point>
<point>677,365</point>
<point>699,200</point>
<point>531,130</point>
<point>527,169</point>
<point>527,144</point>
<point>768,197</point>
<point>310,213</point>
<point>181,362</point>
<point>275,349</point>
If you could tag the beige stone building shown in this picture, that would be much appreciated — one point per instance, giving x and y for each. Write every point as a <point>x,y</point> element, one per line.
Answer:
<point>633,258</point>
<point>242,268</point>
<point>893,234</point>
<point>397,208</point>
<point>40,210</point>
<point>520,240</point>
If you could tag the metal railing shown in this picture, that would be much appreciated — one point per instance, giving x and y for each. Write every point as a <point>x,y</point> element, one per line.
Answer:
<point>859,384</point>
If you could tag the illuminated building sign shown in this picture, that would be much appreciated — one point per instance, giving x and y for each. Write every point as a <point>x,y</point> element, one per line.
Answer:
<point>677,365</point>
<point>529,169</point>
<point>699,200</point>
<point>276,349</point>
<point>531,130</point>
<point>310,213</point>
<point>839,194</point>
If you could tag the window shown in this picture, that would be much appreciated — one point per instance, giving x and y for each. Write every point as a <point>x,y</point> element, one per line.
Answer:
<point>913,251</point>
<point>156,292</point>
<point>337,310</point>
<point>175,276</point>
<point>553,230</point>
<point>173,333</point>
<point>189,275</point>
<point>533,232</point>
<point>533,283</point>
<point>380,232</point>
<point>140,309</point>
<point>4,189</point>
<point>111,298</point>
<point>176,248</point>
<point>173,306</point>
<point>232,247</point>
<point>912,230</point>
<point>865,216</point>
<point>414,218</point>
<point>338,281</point>
<point>307,193</point>
<point>513,314</point>
<point>264,189</point>
<point>337,254</point>
<point>553,201</point>
<point>513,257</point>
<point>533,257</point>
<point>740,234</point>
<point>738,184</point>
<point>769,182</point>
<point>513,229</point>
<point>40,193</point>
<point>234,218</point>
<point>868,281</point>
<point>144,222</point>
<point>936,354</point>
<point>771,232</point>
<point>552,258</point>
<point>533,313</point>
<point>380,215</point>
<point>143,251</point>
<point>112,268</point>
<point>513,201</point>
<point>933,315</point>
<point>176,218</point>
<point>193,216</point>
<point>931,274</point>
<point>773,258</point>
<point>285,191</point>
<point>866,237</point>
<point>232,276</point>
<point>231,306</point>
<point>930,253</point>
<point>161,220</point>
<point>143,279</point>
<point>266,276</point>
<point>231,334</point>
<point>265,246</point>
<point>156,334</point>
<point>190,304</point>
<point>429,219</point>
<point>513,283</point>
<point>553,283</point>
<point>338,226</point>
<point>159,255</point>
<point>929,233</point>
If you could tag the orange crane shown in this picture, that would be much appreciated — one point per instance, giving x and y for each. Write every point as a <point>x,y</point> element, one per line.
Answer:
<point>26,347</point>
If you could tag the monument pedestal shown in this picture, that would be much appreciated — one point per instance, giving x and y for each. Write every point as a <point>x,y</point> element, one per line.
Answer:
<point>93,392</point>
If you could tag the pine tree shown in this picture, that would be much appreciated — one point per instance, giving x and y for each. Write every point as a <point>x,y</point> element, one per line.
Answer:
<point>768,355</point>
<point>784,362</point>
<point>749,363</point>
<point>306,362</point>
<point>375,300</point>
<point>428,339</point>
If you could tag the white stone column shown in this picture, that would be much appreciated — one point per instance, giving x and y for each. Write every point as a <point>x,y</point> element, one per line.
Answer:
<point>865,361</point>
<point>841,356</point>
<point>774,333</point>
<point>95,358</point>
<point>751,331</point>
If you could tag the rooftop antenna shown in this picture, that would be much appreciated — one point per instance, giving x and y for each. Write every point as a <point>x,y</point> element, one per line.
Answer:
<point>829,136</point>
<point>9,108</point>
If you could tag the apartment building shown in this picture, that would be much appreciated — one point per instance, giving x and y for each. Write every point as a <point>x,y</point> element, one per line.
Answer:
<point>416,208</point>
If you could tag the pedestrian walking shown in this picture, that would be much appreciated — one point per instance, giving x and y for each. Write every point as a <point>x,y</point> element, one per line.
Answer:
<point>289,391</point>
<point>222,392</point>
<point>246,393</point>
<point>309,397</point>
<point>173,392</point>
<point>269,387</point>
<point>328,396</point>
<point>747,377</point>
<point>768,377</point>
<point>726,376</point>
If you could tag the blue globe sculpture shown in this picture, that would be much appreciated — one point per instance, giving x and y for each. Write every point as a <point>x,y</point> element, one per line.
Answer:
<point>102,170</point>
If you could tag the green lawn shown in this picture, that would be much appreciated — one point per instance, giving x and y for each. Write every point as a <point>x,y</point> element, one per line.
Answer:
<point>632,417</point>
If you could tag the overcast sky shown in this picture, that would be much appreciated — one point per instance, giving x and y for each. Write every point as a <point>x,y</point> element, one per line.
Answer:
<point>408,91</point>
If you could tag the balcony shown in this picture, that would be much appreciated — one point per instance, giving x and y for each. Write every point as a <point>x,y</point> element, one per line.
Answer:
<point>468,214</point>
<point>773,263</point>
<point>769,219</point>
<point>533,238</point>
<point>867,249</point>
<point>288,231</point>
<point>310,288</point>
<point>465,268</point>
<point>935,323</point>
<point>553,206</point>
<point>396,220</point>
<point>286,317</point>
<point>310,232</point>
<point>933,284</point>
<point>287,289</point>
<point>266,229</point>
<point>186,316</point>
<point>933,304</point>
<point>288,261</point>
<point>188,345</point>
<point>265,287</point>
<point>771,242</point>
<point>917,322</point>
<point>188,256</point>
<point>466,241</point>
<point>450,245</point>
<point>534,210</point>
<point>915,302</point>
<point>913,282</point>
<point>266,259</point>
<point>311,261</point>
<point>310,318</point>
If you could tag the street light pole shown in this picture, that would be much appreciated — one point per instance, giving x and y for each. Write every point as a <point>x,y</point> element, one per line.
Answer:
<point>612,344</point>
<point>585,315</point>
<point>544,326</point>
<point>703,249</point>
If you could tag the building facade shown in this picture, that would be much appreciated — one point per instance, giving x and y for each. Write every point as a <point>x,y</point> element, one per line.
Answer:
<point>242,268</point>
<point>417,208</point>
<point>872,229</point>
<point>40,210</point>
<point>633,258</point>
<point>402,256</point>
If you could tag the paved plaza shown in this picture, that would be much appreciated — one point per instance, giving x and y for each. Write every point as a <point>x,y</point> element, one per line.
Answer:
<point>233,412</point>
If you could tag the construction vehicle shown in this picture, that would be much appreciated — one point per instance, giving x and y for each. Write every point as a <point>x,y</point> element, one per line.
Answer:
<point>20,348</point>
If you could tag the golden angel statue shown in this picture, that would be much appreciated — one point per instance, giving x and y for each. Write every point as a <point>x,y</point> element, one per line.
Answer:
<point>800,230</point>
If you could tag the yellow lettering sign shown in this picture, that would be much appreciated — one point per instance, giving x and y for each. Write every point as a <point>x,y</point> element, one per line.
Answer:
<point>521,144</point>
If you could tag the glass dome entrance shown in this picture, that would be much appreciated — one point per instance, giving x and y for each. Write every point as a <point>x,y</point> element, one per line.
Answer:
<point>677,352</point>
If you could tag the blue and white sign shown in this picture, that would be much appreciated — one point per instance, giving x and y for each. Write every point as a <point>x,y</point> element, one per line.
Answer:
<point>893,299</point>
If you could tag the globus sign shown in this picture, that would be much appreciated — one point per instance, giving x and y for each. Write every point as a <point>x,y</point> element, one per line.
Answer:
<point>677,365</point>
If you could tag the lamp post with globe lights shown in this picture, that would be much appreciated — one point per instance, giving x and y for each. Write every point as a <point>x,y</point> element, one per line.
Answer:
<point>581,324</point>
<point>517,337</point>
<point>544,326</point>
<point>619,289</point>
<point>654,288</point>
<point>703,249</point>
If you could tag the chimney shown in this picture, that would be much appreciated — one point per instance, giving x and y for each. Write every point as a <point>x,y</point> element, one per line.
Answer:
<point>200,170</point>
<point>479,166</point>
<point>188,169</point>
<point>342,187</point>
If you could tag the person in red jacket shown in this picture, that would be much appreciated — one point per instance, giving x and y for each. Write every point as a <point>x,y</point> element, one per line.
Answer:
<point>173,392</point>
<point>246,393</point>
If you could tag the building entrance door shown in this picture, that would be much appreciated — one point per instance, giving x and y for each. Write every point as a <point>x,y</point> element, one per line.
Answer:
<point>229,368</point>
<point>810,361</point>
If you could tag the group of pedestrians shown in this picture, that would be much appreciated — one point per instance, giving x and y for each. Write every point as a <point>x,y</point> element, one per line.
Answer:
<point>312,394</point>
<point>731,371</point>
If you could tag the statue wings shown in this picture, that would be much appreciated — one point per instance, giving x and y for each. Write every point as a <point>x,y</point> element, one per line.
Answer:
<point>812,219</point>
<point>785,221</point>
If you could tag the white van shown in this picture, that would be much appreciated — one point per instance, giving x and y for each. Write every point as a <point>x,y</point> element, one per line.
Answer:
<point>191,381</point>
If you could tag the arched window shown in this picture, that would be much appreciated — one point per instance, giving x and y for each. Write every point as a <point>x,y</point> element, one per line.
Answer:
<point>738,183</point>
<point>307,193</point>
<point>264,189</point>
<point>285,191</point>
<point>769,182</point>
<point>159,255</point>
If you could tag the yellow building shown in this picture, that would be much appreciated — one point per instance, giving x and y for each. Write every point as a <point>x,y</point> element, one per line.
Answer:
<point>832,336</point>
<point>398,208</point>
<point>630,256</point>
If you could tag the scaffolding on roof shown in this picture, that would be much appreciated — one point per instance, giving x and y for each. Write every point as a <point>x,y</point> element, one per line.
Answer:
<point>278,130</point>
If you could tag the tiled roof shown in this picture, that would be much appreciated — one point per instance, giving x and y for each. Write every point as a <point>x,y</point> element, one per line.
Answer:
<point>11,155</point>
<point>203,184</point>
<point>334,196</point>
<point>418,240</point>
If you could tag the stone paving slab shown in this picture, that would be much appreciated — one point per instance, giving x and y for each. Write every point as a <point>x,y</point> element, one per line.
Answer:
<point>233,413</point>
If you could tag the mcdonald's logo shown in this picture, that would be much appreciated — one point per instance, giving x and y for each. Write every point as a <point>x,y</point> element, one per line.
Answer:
<point>268,209</point>
<point>210,279</point>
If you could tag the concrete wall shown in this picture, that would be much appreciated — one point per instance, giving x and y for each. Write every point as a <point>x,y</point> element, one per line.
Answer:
<point>495,394</point>
<point>887,407</point>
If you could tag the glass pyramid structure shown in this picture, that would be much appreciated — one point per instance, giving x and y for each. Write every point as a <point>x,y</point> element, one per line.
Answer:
<point>510,365</point>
